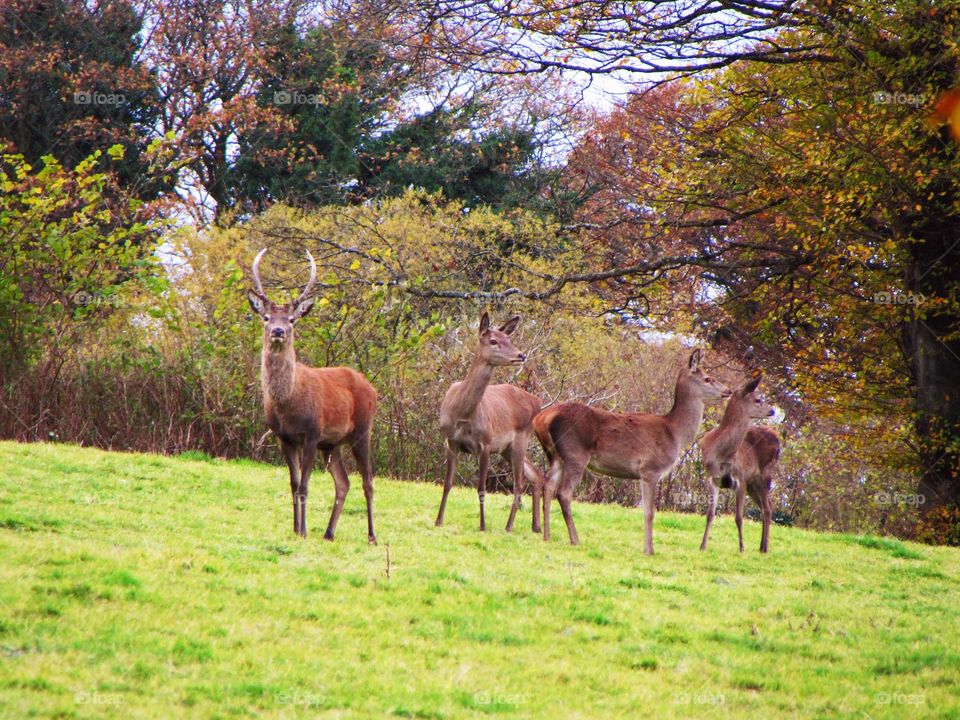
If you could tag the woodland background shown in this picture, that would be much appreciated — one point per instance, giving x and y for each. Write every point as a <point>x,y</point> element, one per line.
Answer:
<point>777,183</point>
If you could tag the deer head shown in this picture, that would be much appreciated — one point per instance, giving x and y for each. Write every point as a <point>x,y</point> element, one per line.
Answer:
<point>755,406</point>
<point>495,347</point>
<point>707,388</point>
<point>278,320</point>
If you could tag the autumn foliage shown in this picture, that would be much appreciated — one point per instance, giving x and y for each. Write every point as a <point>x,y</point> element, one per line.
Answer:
<point>784,193</point>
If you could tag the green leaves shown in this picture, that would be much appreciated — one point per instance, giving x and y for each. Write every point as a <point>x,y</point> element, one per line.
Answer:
<point>70,247</point>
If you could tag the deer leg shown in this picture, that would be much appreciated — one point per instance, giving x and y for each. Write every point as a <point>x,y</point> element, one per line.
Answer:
<point>711,511</point>
<point>648,497</point>
<point>447,482</point>
<point>291,453</point>
<point>549,490</point>
<point>741,493</point>
<point>536,483</point>
<point>341,485</point>
<point>482,482</point>
<point>766,507</point>
<point>516,458</point>
<point>757,497</point>
<point>361,453</point>
<point>571,478</point>
<point>308,454</point>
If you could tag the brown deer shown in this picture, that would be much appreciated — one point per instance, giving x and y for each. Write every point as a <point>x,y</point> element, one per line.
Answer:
<point>312,409</point>
<point>479,418</point>
<point>740,457</point>
<point>623,445</point>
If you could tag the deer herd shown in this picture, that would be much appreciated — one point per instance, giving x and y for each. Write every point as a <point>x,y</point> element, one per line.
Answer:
<point>311,409</point>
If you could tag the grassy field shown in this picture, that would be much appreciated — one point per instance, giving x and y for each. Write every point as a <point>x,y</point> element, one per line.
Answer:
<point>143,586</point>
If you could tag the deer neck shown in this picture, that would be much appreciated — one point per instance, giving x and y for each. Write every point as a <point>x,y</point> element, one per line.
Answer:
<point>686,414</point>
<point>278,373</point>
<point>471,389</point>
<point>734,424</point>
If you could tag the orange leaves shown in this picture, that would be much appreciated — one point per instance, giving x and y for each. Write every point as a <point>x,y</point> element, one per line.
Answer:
<point>947,110</point>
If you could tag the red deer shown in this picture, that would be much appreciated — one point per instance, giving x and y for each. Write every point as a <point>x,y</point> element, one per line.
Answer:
<point>623,445</point>
<point>480,419</point>
<point>738,456</point>
<point>312,409</point>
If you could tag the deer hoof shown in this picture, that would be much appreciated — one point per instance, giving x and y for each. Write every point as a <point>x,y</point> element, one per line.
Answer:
<point>372,540</point>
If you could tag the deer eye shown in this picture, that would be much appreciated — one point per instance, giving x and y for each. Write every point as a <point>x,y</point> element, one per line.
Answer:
<point>291,319</point>
<point>494,342</point>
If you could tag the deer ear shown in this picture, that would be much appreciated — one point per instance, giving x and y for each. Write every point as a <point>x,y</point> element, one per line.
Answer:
<point>510,325</point>
<point>694,359</point>
<point>484,323</point>
<point>751,385</point>
<point>303,308</point>
<point>257,303</point>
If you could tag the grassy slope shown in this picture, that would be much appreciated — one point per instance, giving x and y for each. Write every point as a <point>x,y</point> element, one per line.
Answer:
<point>142,586</point>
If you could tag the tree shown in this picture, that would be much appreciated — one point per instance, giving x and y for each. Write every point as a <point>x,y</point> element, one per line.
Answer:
<point>333,86</point>
<point>362,118</point>
<point>207,57</point>
<point>820,202</point>
<point>652,38</point>
<point>71,82</point>
<point>445,150</point>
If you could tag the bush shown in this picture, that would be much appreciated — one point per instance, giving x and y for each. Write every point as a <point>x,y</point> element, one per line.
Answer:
<point>940,526</point>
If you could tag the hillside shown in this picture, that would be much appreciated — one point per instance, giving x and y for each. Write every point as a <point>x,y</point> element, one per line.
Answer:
<point>145,586</point>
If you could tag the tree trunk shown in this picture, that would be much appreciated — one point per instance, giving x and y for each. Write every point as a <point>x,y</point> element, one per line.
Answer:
<point>932,343</point>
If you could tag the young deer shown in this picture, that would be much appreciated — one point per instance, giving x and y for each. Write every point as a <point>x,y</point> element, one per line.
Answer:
<point>738,456</point>
<point>624,445</point>
<point>312,408</point>
<point>480,419</point>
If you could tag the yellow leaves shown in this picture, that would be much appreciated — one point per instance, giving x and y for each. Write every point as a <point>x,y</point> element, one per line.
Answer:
<point>860,251</point>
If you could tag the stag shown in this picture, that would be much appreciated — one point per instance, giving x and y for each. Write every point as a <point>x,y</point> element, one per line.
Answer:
<point>575,437</point>
<point>740,457</point>
<point>310,408</point>
<point>479,418</point>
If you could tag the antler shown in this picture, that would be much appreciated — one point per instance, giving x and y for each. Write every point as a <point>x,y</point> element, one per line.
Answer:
<point>257,285</point>
<point>311,282</point>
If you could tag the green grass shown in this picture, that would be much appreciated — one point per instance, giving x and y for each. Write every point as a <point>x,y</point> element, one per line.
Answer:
<point>143,586</point>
